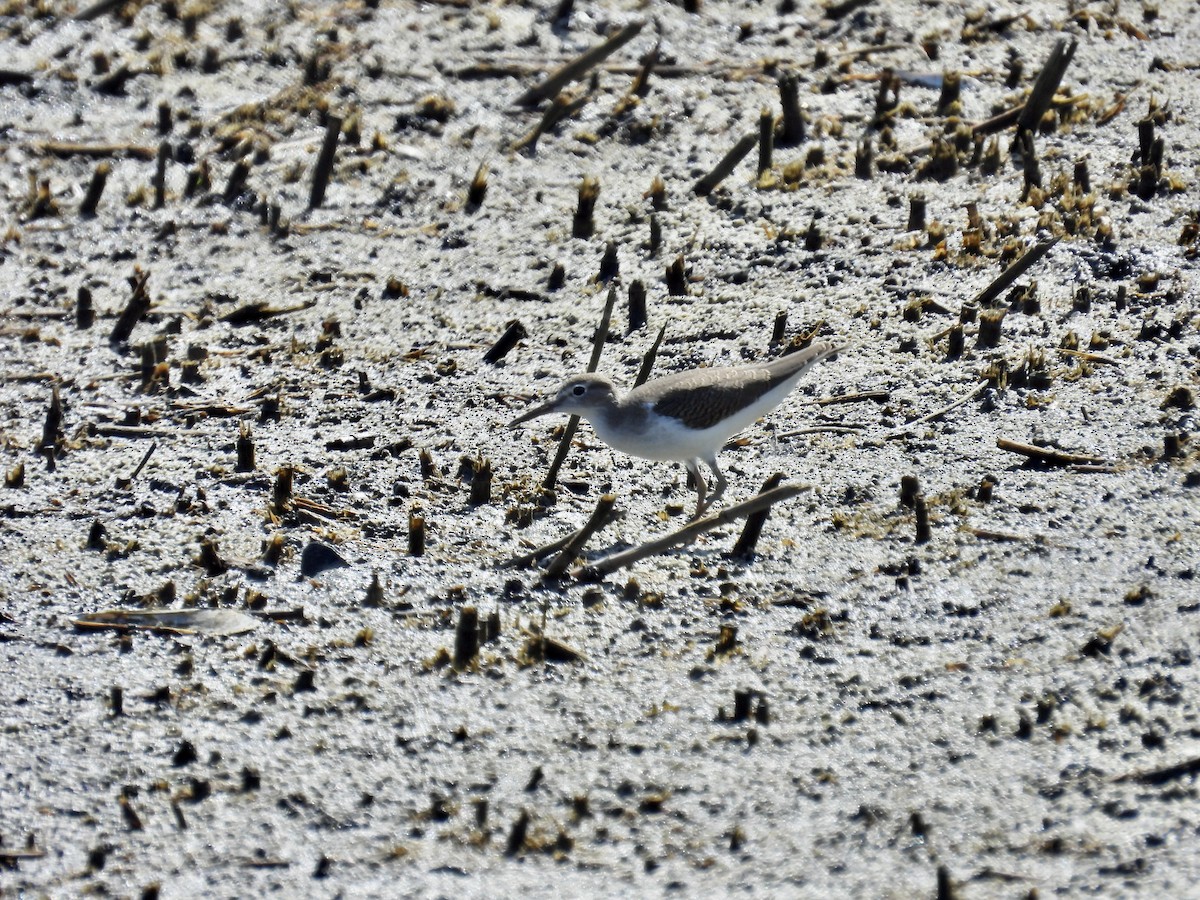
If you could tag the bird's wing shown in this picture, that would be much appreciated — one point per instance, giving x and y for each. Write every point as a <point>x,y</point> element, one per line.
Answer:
<point>700,402</point>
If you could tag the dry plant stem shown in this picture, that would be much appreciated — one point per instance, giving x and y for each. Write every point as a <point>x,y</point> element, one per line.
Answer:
<point>527,559</point>
<point>837,11</point>
<point>648,359</point>
<point>564,445</point>
<point>145,459</point>
<point>1164,774</point>
<point>729,161</point>
<point>466,638</point>
<point>1047,83</point>
<point>333,128</point>
<point>137,431</point>
<point>578,67</point>
<point>854,398</point>
<point>748,540</point>
<point>601,516</point>
<point>1087,356</point>
<point>937,414</point>
<point>689,532</point>
<point>988,534</point>
<point>72,148</point>
<point>96,10</point>
<point>1013,272</point>
<point>641,81</point>
<point>821,429</point>
<point>138,306</point>
<point>1048,456</point>
<point>563,107</point>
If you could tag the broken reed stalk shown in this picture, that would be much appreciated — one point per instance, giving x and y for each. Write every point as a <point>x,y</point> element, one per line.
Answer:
<point>583,223</point>
<point>752,530</point>
<point>1013,272</point>
<point>160,174</point>
<point>990,323</point>
<point>85,312</point>
<point>676,276</point>
<point>779,330</point>
<point>416,534</point>
<point>563,107</point>
<point>601,516</point>
<point>481,482</point>
<point>562,14</point>
<point>578,537</point>
<point>52,427</point>
<point>689,532</point>
<point>138,306</point>
<point>637,305</point>
<point>791,132</point>
<point>1048,456</point>
<point>951,90</point>
<point>648,359</point>
<point>478,189</point>
<point>236,185</point>
<point>145,459</point>
<point>1047,83</point>
<point>766,140</point>
<point>708,183</point>
<point>91,199</point>
<point>466,638</point>
<point>921,508</point>
<point>641,81</point>
<point>564,445</point>
<point>245,449</point>
<point>610,264</point>
<point>578,67</point>
<point>333,128</point>
<point>916,213</point>
<point>1030,170</point>
<point>938,413</point>
<point>864,159</point>
<point>514,333</point>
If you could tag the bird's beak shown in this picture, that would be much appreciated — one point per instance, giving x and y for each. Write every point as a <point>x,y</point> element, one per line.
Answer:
<point>542,410</point>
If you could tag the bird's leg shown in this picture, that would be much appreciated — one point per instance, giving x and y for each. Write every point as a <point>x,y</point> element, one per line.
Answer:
<point>701,488</point>
<point>721,482</point>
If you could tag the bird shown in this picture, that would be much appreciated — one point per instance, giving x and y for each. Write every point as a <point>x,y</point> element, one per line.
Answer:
<point>686,416</point>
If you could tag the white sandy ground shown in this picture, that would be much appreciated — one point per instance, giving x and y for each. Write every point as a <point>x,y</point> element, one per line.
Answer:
<point>972,703</point>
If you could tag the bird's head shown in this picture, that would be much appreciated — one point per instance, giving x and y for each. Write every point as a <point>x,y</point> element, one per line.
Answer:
<point>579,396</point>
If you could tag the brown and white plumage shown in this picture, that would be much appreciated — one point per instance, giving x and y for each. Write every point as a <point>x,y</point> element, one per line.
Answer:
<point>687,416</point>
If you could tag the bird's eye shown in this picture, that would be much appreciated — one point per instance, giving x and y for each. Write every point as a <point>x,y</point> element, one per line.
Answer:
<point>579,390</point>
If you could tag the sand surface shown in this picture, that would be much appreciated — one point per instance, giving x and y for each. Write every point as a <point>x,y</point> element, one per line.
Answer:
<point>1008,707</point>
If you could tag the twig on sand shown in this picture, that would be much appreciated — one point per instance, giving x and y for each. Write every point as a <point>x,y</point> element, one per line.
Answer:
<point>601,516</point>
<point>1048,456</point>
<point>938,413</point>
<point>609,564</point>
<point>1013,272</point>
<point>1164,774</point>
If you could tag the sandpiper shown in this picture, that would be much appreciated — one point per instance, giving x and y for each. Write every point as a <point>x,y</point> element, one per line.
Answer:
<point>685,417</point>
